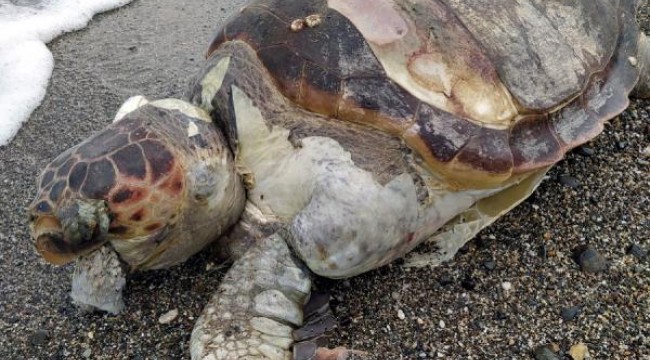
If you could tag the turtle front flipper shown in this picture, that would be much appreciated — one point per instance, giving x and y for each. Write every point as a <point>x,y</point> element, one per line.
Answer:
<point>98,280</point>
<point>257,308</point>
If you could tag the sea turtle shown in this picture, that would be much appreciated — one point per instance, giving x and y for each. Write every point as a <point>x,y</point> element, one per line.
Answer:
<point>331,137</point>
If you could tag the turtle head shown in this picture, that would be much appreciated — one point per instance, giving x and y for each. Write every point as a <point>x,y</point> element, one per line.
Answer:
<point>158,184</point>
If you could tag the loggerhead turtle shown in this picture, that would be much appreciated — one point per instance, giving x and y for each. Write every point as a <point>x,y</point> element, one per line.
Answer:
<point>331,137</point>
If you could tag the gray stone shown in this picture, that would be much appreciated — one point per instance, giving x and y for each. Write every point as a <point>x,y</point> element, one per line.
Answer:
<point>544,353</point>
<point>570,313</point>
<point>637,251</point>
<point>591,261</point>
<point>585,151</point>
<point>490,264</point>
<point>39,337</point>
<point>568,181</point>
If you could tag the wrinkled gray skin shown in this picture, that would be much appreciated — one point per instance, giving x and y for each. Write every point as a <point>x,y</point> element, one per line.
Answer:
<point>336,199</point>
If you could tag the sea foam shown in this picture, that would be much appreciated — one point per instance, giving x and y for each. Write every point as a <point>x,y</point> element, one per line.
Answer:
<point>25,62</point>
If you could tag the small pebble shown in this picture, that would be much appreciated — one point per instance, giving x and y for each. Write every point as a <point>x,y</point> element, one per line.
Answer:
<point>400,314</point>
<point>506,285</point>
<point>445,280</point>
<point>39,337</point>
<point>636,251</point>
<point>568,181</point>
<point>441,324</point>
<point>646,151</point>
<point>500,315</point>
<point>86,354</point>
<point>468,283</point>
<point>490,264</point>
<point>591,261</point>
<point>585,151</point>
<point>544,353</point>
<point>168,317</point>
<point>543,251</point>
<point>579,352</point>
<point>570,313</point>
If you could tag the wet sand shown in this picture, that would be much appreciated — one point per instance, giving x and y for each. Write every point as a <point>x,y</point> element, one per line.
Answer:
<point>460,310</point>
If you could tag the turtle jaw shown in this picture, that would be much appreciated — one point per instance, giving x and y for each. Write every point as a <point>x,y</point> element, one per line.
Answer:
<point>75,230</point>
<point>48,236</point>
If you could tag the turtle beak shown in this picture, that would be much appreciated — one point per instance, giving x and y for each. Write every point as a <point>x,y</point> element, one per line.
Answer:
<point>48,236</point>
<point>75,230</point>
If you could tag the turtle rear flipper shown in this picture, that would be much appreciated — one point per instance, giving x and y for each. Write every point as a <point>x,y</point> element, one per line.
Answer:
<point>257,308</point>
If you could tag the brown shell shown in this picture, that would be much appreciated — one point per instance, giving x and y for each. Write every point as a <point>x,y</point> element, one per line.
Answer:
<point>483,91</point>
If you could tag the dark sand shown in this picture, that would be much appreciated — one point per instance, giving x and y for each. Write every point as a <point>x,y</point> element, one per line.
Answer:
<point>456,311</point>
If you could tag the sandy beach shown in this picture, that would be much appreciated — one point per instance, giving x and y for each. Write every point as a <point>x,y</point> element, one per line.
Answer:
<point>500,298</point>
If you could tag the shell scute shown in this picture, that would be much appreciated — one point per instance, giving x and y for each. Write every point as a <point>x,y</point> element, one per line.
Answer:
<point>286,67</point>
<point>130,162</point>
<point>77,176</point>
<point>533,143</point>
<point>291,10</point>
<point>379,102</point>
<point>441,133</point>
<point>320,90</point>
<point>269,30</point>
<point>102,144</point>
<point>159,158</point>
<point>607,93</point>
<point>57,190</point>
<point>487,150</point>
<point>99,179</point>
<point>543,52</point>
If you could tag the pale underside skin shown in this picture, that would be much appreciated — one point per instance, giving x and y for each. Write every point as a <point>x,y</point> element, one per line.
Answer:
<point>338,219</point>
<point>342,221</point>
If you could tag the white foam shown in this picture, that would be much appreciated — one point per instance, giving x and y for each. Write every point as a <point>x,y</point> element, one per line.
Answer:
<point>25,62</point>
